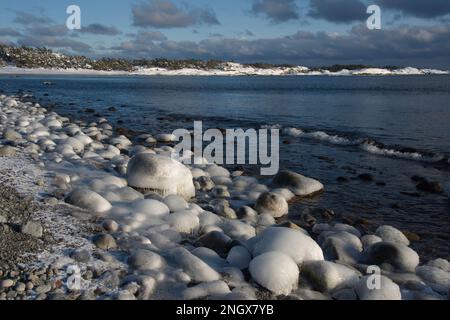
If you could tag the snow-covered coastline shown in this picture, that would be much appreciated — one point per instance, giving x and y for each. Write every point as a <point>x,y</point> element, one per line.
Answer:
<point>164,230</point>
<point>230,69</point>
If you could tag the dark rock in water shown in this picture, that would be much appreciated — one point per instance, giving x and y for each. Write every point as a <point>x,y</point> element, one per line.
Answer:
<point>119,121</point>
<point>430,186</point>
<point>411,236</point>
<point>381,183</point>
<point>365,177</point>
<point>342,179</point>
<point>286,142</point>
<point>411,194</point>
<point>89,110</point>
<point>112,109</point>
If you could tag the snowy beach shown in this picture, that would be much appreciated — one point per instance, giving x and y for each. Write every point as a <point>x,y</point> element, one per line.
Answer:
<point>118,218</point>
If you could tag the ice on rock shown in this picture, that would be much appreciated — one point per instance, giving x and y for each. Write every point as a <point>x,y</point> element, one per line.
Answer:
<point>212,290</point>
<point>341,246</point>
<point>391,234</point>
<point>128,194</point>
<point>88,199</point>
<point>370,239</point>
<point>398,255</point>
<point>320,227</point>
<point>161,174</point>
<point>276,272</point>
<point>388,290</point>
<point>284,192</point>
<point>239,257</point>
<point>327,276</point>
<point>298,184</point>
<point>145,260</point>
<point>436,278</point>
<point>440,263</point>
<point>273,204</point>
<point>151,208</point>
<point>166,137</point>
<point>217,171</point>
<point>185,221</point>
<point>198,270</point>
<point>210,257</point>
<point>175,203</point>
<point>238,230</point>
<point>208,218</point>
<point>291,242</point>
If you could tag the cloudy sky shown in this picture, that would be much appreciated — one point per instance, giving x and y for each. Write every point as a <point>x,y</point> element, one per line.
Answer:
<point>306,32</point>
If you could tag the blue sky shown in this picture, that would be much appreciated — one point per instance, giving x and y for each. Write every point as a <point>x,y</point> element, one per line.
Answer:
<point>308,32</point>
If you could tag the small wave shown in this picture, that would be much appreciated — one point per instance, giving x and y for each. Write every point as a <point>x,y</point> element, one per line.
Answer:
<point>365,144</point>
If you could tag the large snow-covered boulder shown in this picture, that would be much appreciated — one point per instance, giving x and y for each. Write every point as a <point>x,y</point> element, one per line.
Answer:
<point>298,184</point>
<point>276,272</point>
<point>88,199</point>
<point>160,174</point>
<point>296,244</point>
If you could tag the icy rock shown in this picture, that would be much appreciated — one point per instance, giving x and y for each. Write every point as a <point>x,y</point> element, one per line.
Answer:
<point>166,137</point>
<point>320,227</point>
<point>11,135</point>
<point>327,276</point>
<point>210,257</point>
<point>275,271</point>
<point>184,221</point>
<point>215,240</point>
<point>198,270</point>
<point>291,242</point>
<point>104,241</point>
<point>213,290</point>
<point>161,174</point>
<point>370,239</point>
<point>398,255</point>
<point>437,278</point>
<point>388,290</point>
<point>284,192</point>
<point>110,225</point>
<point>33,229</point>
<point>175,203</point>
<point>128,194</point>
<point>239,257</point>
<point>89,200</point>
<point>440,263</point>
<point>341,246</point>
<point>151,208</point>
<point>208,219</point>
<point>238,230</point>
<point>145,260</point>
<point>247,213</point>
<point>272,204</point>
<point>298,184</point>
<point>391,234</point>
<point>241,294</point>
<point>216,171</point>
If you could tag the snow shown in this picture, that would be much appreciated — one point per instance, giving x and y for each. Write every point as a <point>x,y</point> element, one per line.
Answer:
<point>294,243</point>
<point>184,221</point>
<point>160,174</point>
<point>275,271</point>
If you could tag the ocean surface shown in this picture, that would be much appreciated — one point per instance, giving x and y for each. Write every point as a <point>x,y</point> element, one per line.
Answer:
<point>392,128</point>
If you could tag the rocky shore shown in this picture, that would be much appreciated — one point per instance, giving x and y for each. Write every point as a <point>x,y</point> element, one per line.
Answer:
<point>87,214</point>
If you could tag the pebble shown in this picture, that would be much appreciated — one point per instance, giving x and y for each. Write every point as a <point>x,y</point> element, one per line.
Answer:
<point>104,241</point>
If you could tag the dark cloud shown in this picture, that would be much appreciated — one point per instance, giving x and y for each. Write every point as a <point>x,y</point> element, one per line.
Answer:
<point>338,11</point>
<point>418,8</point>
<point>405,45</point>
<point>26,18</point>
<point>277,11</point>
<point>48,30</point>
<point>166,14</point>
<point>100,29</point>
<point>55,42</point>
<point>9,32</point>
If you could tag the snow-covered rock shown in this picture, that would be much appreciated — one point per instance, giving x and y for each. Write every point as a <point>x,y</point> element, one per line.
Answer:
<point>184,221</point>
<point>294,243</point>
<point>398,255</point>
<point>88,199</point>
<point>391,234</point>
<point>198,270</point>
<point>328,276</point>
<point>388,290</point>
<point>160,174</point>
<point>239,257</point>
<point>151,208</point>
<point>276,272</point>
<point>298,184</point>
<point>273,204</point>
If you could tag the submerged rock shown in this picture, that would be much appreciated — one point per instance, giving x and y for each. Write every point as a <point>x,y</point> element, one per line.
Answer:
<point>160,174</point>
<point>275,271</point>
<point>298,184</point>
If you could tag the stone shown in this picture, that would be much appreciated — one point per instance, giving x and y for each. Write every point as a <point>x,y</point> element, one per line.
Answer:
<point>239,257</point>
<point>297,183</point>
<point>273,204</point>
<point>388,289</point>
<point>145,260</point>
<point>215,240</point>
<point>175,203</point>
<point>294,243</point>
<point>110,225</point>
<point>33,229</point>
<point>198,270</point>
<point>398,255</point>
<point>185,222</point>
<point>104,241</point>
<point>7,283</point>
<point>7,151</point>
<point>391,234</point>
<point>341,246</point>
<point>326,276</point>
<point>275,271</point>
<point>81,255</point>
<point>88,200</point>
<point>11,135</point>
<point>160,174</point>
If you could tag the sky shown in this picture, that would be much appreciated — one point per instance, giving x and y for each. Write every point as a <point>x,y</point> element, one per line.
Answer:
<point>302,32</point>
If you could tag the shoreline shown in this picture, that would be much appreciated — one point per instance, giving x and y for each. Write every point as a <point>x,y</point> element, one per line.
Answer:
<point>238,72</point>
<point>221,241</point>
